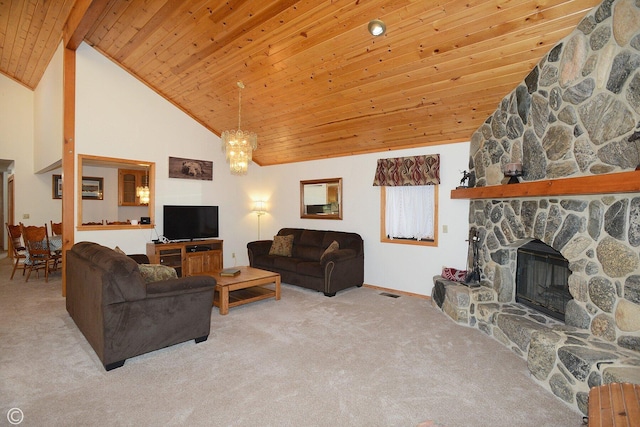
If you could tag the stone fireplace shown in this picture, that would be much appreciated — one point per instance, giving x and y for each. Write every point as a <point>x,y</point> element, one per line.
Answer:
<point>602,266</point>
<point>576,115</point>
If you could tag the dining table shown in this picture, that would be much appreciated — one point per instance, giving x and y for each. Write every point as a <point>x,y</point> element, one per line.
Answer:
<point>55,245</point>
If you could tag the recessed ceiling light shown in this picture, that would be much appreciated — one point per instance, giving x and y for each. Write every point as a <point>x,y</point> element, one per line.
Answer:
<point>377,27</point>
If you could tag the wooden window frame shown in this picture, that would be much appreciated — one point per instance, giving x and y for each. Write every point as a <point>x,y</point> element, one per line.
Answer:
<point>402,241</point>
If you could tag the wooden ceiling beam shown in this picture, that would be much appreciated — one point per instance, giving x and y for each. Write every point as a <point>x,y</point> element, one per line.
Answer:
<point>81,18</point>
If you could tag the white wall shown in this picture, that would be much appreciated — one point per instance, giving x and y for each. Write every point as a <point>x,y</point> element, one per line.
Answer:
<point>117,116</point>
<point>31,135</point>
<point>48,112</point>
<point>32,192</point>
<point>408,268</point>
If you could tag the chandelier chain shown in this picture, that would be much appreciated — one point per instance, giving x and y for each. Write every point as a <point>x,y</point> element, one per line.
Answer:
<point>239,105</point>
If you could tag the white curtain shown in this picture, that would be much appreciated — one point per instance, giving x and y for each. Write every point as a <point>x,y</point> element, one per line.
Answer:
<point>410,212</point>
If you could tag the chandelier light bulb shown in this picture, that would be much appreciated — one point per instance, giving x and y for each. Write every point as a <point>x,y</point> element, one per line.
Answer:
<point>143,191</point>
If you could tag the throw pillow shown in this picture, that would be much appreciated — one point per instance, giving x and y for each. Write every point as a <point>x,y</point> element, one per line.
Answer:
<point>120,251</point>
<point>453,274</point>
<point>334,246</point>
<point>156,272</point>
<point>282,245</point>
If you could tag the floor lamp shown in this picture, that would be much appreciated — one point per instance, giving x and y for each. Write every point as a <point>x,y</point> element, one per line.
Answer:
<point>259,207</point>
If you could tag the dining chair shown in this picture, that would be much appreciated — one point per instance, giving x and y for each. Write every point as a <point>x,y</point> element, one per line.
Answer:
<point>17,247</point>
<point>55,242</point>
<point>56,228</point>
<point>39,254</point>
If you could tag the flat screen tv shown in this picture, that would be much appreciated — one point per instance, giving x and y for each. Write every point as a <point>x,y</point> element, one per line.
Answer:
<point>190,222</point>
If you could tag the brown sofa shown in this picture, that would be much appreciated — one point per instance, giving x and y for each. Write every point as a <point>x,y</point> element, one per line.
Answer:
<point>123,316</point>
<point>307,267</point>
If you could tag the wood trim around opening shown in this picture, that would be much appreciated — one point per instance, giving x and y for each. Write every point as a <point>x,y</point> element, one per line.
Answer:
<point>383,234</point>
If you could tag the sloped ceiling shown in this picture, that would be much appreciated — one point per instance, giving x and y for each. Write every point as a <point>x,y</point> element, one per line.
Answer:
<point>317,84</point>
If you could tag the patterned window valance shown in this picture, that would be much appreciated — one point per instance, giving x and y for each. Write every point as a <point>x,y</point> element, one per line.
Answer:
<point>414,170</point>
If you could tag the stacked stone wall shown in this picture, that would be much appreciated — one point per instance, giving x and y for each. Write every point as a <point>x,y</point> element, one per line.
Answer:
<point>577,113</point>
<point>605,279</point>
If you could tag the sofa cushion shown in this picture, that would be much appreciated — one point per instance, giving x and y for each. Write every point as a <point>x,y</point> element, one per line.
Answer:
<point>295,231</point>
<point>156,272</point>
<point>263,261</point>
<point>286,263</point>
<point>282,245</point>
<point>310,268</point>
<point>308,253</point>
<point>312,238</point>
<point>126,277</point>
<point>346,240</point>
<point>180,285</point>
<point>334,246</point>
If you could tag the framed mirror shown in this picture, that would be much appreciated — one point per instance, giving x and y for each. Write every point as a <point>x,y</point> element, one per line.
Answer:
<point>321,198</point>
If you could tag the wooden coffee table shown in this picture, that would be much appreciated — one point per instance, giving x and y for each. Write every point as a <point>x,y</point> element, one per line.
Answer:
<point>246,287</point>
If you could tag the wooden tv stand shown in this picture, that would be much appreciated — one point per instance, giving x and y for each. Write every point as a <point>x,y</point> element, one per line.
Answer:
<point>188,258</point>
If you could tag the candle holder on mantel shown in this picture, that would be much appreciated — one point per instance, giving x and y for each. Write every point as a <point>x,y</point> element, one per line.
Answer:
<point>514,170</point>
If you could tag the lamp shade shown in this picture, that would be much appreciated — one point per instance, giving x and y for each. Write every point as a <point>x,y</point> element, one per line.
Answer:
<point>260,207</point>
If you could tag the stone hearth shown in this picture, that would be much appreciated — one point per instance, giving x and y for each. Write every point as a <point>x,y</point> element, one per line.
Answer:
<point>567,361</point>
<point>576,114</point>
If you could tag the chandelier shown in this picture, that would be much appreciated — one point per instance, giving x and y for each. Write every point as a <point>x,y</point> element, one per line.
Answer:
<point>142,191</point>
<point>238,144</point>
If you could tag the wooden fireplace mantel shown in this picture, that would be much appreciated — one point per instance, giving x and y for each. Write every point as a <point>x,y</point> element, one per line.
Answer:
<point>623,182</point>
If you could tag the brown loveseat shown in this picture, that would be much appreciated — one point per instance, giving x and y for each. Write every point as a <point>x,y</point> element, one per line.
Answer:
<point>308,265</point>
<point>123,316</point>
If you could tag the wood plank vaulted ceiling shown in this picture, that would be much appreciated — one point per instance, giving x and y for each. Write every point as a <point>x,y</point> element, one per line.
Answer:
<point>317,84</point>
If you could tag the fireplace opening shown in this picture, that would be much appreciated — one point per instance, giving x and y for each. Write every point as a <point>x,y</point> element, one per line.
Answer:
<point>542,279</point>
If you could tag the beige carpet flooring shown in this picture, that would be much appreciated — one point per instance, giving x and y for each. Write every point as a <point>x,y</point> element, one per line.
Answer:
<point>358,359</point>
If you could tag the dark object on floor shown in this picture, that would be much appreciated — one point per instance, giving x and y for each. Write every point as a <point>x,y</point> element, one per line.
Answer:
<point>122,316</point>
<point>310,264</point>
<point>387,294</point>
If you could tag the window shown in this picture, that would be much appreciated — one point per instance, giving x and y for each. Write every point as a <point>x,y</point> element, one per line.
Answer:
<point>409,194</point>
<point>409,214</point>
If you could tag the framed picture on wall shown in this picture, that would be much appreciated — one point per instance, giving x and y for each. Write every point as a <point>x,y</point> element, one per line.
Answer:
<point>56,187</point>
<point>92,188</point>
<point>190,169</point>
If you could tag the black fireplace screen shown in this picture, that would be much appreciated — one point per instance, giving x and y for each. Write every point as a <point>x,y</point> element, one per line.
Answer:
<point>542,279</point>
